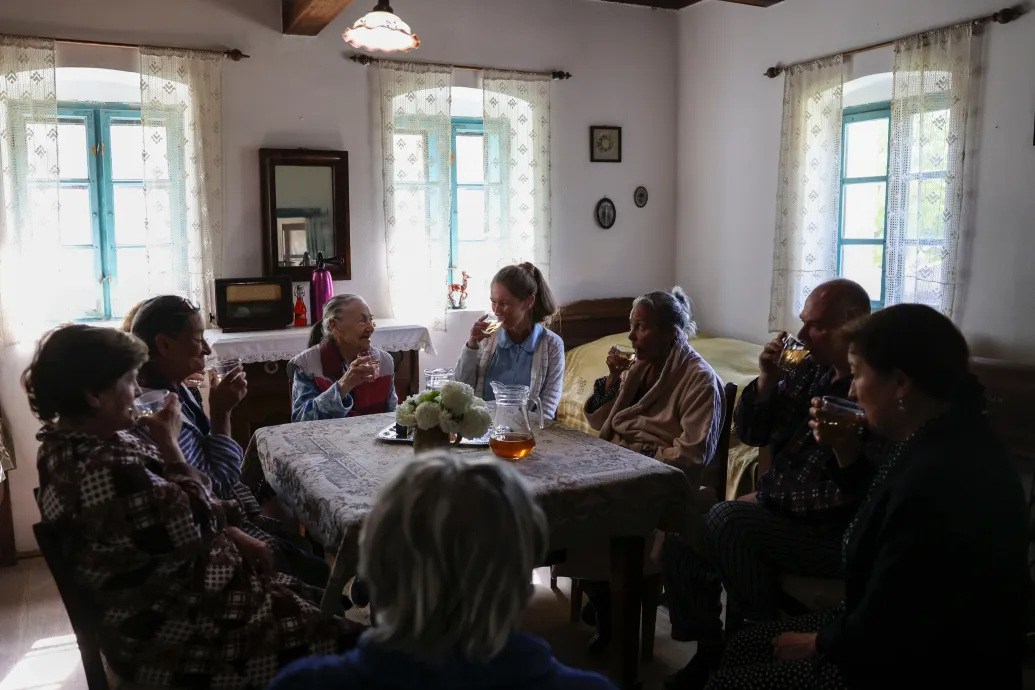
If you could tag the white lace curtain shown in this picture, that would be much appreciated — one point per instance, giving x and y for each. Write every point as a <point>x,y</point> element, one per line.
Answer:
<point>929,108</point>
<point>415,133</point>
<point>809,188</point>
<point>181,109</point>
<point>516,115</point>
<point>29,186</point>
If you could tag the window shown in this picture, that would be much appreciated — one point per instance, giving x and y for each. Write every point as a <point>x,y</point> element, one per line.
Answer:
<point>862,232</point>
<point>112,235</point>
<point>864,245</point>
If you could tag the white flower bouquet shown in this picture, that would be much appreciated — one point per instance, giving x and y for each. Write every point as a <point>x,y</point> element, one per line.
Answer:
<point>453,410</point>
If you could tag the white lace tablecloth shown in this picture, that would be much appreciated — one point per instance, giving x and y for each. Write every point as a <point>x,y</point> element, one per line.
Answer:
<point>272,346</point>
<point>330,473</point>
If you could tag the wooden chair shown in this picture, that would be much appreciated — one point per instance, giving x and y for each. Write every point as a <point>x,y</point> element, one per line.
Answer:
<point>79,611</point>
<point>714,478</point>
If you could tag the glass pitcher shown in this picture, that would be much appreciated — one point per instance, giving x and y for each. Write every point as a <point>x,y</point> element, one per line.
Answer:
<point>511,434</point>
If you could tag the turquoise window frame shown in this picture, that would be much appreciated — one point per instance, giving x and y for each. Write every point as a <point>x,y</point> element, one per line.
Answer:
<point>864,113</point>
<point>461,126</point>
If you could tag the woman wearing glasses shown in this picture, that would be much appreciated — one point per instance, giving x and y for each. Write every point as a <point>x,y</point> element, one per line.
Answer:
<point>341,375</point>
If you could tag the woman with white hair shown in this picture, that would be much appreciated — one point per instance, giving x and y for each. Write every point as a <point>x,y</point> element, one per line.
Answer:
<point>341,375</point>
<point>448,591</point>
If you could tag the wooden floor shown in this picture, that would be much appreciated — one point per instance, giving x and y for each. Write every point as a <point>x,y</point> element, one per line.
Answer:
<point>38,652</point>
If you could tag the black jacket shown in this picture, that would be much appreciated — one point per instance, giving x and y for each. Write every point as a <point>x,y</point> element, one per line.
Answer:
<point>936,573</point>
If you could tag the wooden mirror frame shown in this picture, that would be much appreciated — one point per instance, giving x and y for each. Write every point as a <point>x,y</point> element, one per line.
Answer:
<point>338,162</point>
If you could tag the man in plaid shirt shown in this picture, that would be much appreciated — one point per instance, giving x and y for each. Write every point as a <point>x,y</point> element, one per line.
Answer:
<point>794,523</point>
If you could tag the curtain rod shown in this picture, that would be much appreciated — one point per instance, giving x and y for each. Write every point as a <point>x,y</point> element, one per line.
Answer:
<point>234,54</point>
<point>367,60</point>
<point>1004,16</point>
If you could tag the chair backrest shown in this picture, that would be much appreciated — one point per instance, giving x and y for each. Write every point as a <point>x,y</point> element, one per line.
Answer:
<point>76,604</point>
<point>717,471</point>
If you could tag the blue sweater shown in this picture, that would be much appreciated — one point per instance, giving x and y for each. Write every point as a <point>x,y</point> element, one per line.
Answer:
<point>525,663</point>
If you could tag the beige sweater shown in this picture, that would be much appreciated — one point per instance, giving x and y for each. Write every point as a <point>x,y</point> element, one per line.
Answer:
<point>681,414</point>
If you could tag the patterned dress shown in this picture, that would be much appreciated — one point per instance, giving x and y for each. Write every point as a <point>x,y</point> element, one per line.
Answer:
<point>176,604</point>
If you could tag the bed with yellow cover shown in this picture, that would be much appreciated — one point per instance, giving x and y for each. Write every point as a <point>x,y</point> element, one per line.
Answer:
<point>590,327</point>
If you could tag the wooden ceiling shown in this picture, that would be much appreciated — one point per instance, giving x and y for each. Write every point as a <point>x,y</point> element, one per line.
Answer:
<point>680,4</point>
<point>310,17</point>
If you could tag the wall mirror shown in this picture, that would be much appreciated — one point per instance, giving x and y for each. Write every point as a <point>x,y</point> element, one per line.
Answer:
<point>305,211</point>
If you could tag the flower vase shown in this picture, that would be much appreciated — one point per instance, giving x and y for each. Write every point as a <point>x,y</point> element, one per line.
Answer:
<point>429,439</point>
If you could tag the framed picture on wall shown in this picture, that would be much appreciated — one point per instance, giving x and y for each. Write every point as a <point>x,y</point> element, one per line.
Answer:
<point>605,144</point>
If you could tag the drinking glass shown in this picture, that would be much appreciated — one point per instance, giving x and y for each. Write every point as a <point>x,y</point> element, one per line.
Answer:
<point>793,354</point>
<point>377,364</point>
<point>151,403</point>
<point>625,352</point>
<point>222,367</point>
<point>840,418</point>
<point>492,324</point>
<point>434,379</point>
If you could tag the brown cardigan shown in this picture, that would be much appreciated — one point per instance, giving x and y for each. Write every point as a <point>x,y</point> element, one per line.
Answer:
<point>681,414</point>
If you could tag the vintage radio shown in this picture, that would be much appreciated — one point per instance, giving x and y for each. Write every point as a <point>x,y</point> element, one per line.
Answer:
<point>253,304</point>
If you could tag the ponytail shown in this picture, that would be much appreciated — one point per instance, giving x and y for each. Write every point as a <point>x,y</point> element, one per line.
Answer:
<point>524,281</point>
<point>316,334</point>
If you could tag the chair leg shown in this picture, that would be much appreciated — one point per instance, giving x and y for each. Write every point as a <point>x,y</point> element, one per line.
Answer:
<point>576,600</point>
<point>649,615</point>
<point>553,582</point>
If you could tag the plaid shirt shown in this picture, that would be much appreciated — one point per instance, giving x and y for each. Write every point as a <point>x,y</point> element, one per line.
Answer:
<point>804,480</point>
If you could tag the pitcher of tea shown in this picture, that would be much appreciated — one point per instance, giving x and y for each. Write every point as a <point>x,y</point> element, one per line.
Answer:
<point>511,434</point>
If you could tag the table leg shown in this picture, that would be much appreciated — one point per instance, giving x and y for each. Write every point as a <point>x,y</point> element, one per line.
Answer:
<point>626,591</point>
<point>345,563</point>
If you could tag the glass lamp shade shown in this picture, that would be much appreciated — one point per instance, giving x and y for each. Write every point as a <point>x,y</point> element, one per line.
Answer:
<point>382,32</point>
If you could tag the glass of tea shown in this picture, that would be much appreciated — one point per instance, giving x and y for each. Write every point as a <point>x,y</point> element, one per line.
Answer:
<point>840,418</point>
<point>492,323</point>
<point>627,353</point>
<point>793,354</point>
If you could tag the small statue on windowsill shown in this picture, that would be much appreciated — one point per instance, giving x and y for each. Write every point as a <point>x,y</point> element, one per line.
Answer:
<point>457,293</point>
<point>306,259</point>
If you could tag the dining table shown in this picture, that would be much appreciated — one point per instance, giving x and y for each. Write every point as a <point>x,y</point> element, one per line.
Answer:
<point>330,472</point>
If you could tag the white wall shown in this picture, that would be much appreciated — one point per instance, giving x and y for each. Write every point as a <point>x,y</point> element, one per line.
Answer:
<point>303,92</point>
<point>729,140</point>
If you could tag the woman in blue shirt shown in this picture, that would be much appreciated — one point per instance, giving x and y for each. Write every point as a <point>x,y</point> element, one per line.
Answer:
<point>523,351</point>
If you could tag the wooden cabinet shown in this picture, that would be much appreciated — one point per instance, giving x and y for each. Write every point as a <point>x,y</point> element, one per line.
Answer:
<point>268,402</point>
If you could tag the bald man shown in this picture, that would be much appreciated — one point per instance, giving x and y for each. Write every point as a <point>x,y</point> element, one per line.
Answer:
<point>794,523</point>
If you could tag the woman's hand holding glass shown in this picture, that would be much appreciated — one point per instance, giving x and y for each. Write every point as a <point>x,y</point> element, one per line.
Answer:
<point>362,370</point>
<point>839,425</point>
<point>617,363</point>
<point>227,391</point>
<point>479,332</point>
<point>164,426</point>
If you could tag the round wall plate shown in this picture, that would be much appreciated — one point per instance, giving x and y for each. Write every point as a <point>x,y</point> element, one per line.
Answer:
<point>640,197</point>
<point>605,213</point>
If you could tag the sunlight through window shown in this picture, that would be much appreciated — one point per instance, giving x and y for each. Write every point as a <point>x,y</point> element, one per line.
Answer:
<point>46,666</point>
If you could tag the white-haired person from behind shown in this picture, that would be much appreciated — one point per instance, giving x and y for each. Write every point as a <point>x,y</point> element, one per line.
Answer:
<point>448,590</point>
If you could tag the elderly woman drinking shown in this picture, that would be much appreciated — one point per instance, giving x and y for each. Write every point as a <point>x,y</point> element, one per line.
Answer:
<point>182,597</point>
<point>341,374</point>
<point>935,559</point>
<point>666,401</point>
<point>174,332</point>
<point>448,591</point>
<point>521,351</point>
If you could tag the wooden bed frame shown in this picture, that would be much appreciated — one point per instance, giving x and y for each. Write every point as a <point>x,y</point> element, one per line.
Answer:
<point>587,320</point>
<point>1009,386</point>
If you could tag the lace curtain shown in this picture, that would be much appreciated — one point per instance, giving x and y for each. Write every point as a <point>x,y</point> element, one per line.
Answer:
<point>181,97</point>
<point>415,132</point>
<point>29,188</point>
<point>929,108</point>
<point>809,191</point>
<point>516,112</point>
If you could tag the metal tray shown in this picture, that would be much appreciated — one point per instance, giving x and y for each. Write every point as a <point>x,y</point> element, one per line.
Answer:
<point>388,436</point>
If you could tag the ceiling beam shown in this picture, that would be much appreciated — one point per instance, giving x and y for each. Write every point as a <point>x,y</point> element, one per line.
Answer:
<point>680,4</point>
<point>310,17</point>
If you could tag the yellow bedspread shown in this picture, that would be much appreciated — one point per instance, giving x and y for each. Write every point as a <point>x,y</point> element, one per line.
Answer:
<point>734,361</point>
